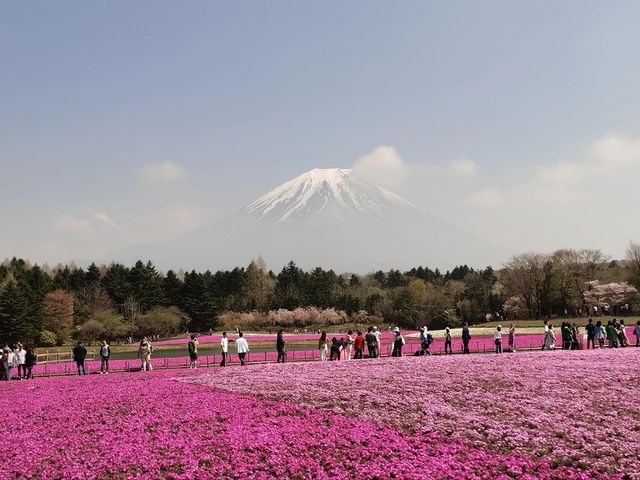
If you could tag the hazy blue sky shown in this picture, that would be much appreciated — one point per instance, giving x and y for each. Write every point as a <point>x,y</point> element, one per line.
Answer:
<point>537,100</point>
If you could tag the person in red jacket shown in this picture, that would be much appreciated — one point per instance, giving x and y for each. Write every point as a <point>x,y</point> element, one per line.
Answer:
<point>358,344</point>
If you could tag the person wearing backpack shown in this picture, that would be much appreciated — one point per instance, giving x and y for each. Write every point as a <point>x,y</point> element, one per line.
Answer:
<point>105,356</point>
<point>426,339</point>
<point>193,351</point>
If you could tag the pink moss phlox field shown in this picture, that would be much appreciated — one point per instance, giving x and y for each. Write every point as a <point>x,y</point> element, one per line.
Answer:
<point>147,425</point>
<point>579,409</point>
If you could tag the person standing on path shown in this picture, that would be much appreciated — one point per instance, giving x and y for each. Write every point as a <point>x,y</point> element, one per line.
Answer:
<point>591,334</point>
<point>193,352</point>
<point>79,355</point>
<point>426,339</point>
<point>30,362</point>
<point>497,338</point>
<point>447,341</point>
<point>144,353</point>
<point>512,338</point>
<point>544,337</point>
<point>347,343</point>
<point>242,348</point>
<point>398,343</point>
<point>358,345</point>
<point>636,332</point>
<point>600,334</point>
<point>323,346</point>
<point>336,348</point>
<point>105,356</point>
<point>19,355</point>
<point>466,337</point>
<point>281,346</point>
<point>549,339</point>
<point>224,348</point>
<point>612,335</point>
<point>622,334</point>
<point>372,343</point>
<point>378,335</point>
<point>4,364</point>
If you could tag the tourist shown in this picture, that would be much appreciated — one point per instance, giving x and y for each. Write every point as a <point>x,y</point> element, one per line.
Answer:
<point>466,337</point>
<point>336,348</point>
<point>549,338</point>
<point>144,353</point>
<point>591,334</point>
<point>544,336</point>
<point>242,348</point>
<point>280,346</point>
<point>600,334</point>
<point>512,338</point>
<point>192,347</point>
<point>426,339</point>
<point>347,347</point>
<point>31,359</point>
<point>497,337</point>
<point>224,348</point>
<point>636,332</point>
<point>378,335</point>
<point>575,343</point>
<point>5,370</point>
<point>19,356</point>
<point>447,341</point>
<point>79,355</point>
<point>323,346</point>
<point>372,343</point>
<point>398,343</point>
<point>612,335</point>
<point>358,345</point>
<point>565,329</point>
<point>105,356</point>
<point>622,334</point>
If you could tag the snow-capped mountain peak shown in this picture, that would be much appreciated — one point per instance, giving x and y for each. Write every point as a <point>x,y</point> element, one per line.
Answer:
<point>322,190</point>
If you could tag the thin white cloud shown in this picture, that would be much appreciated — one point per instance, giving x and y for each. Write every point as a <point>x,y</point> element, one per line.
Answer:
<point>486,198</point>
<point>463,167</point>
<point>162,172</point>
<point>67,224</point>
<point>101,217</point>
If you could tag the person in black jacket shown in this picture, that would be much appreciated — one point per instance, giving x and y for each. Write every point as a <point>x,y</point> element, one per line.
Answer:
<point>466,336</point>
<point>280,346</point>
<point>30,360</point>
<point>79,354</point>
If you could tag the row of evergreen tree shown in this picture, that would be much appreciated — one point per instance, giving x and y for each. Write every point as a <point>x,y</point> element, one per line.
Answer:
<point>202,296</point>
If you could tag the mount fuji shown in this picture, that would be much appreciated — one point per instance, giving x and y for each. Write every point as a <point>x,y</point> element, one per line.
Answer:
<point>325,217</point>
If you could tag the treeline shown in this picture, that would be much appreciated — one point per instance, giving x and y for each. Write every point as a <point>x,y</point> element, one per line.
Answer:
<point>52,305</point>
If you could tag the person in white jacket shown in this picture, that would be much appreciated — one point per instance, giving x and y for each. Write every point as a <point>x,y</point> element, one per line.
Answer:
<point>242,347</point>
<point>224,347</point>
<point>20,358</point>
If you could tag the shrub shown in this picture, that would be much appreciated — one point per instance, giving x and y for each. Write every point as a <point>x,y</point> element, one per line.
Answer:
<point>47,339</point>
